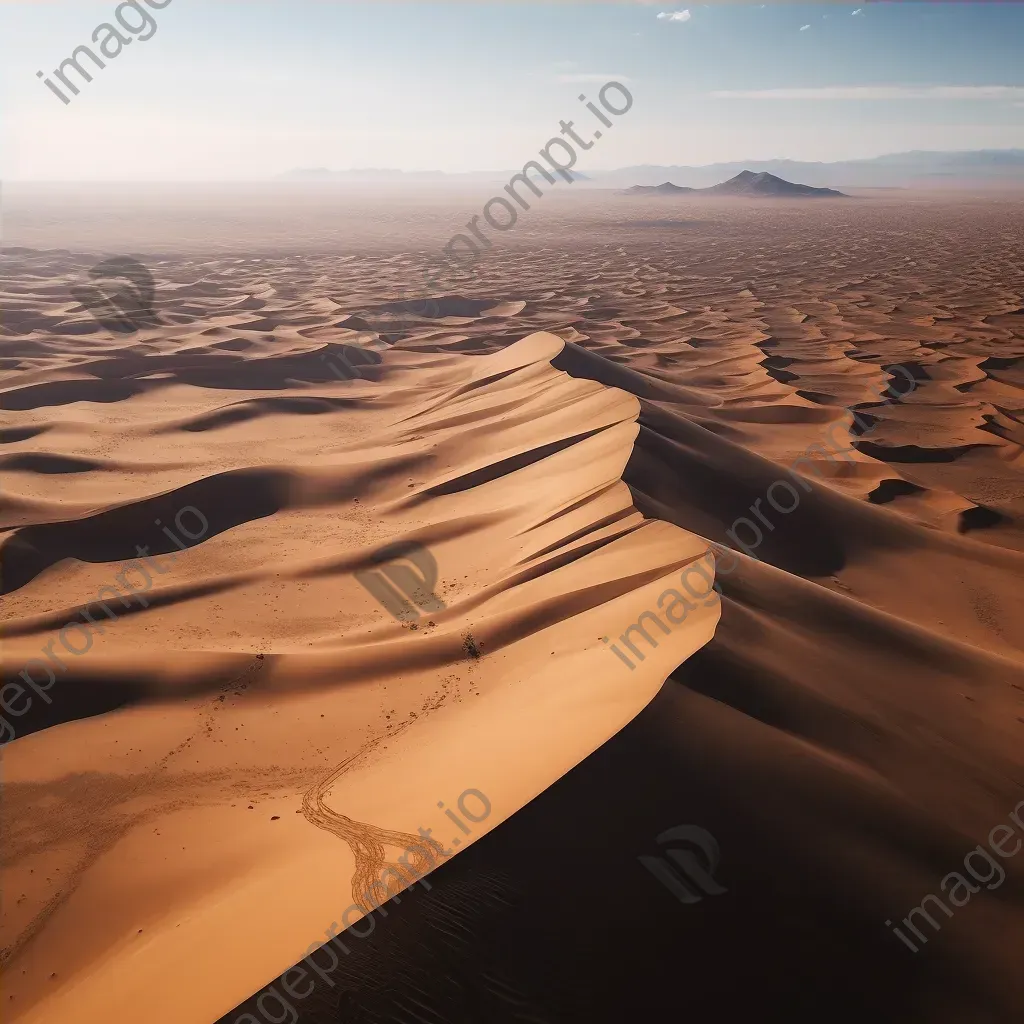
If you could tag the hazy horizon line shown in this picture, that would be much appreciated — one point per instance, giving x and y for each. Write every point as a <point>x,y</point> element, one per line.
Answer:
<point>291,176</point>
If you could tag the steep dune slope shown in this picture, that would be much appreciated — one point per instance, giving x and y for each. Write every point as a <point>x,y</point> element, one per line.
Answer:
<point>850,733</point>
<point>854,729</point>
<point>260,706</point>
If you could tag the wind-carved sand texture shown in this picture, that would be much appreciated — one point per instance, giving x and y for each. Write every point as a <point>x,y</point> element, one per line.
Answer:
<point>864,691</point>
<point>162,802</point>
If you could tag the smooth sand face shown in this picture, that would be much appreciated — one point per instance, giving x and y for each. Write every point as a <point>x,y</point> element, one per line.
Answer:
<point>269,707</point>
<point>261,673</point>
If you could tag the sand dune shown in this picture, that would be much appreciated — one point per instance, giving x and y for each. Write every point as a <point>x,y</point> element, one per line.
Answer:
<point>243,672</point>
<point>567,435</point>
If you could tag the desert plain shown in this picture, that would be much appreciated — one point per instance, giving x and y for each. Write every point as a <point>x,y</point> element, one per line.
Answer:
<point>574,424</point>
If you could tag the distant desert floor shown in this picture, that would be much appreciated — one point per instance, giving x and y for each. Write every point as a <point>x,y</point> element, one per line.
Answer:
<point>821,400</point>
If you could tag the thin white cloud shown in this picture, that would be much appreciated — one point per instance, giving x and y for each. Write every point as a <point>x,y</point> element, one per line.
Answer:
<point>675,15</point>
<point>804,28</point>
<point>592,77</point>
<point>879,92</point>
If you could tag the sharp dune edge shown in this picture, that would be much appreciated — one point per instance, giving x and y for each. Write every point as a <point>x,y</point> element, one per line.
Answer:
<point>262,673</point>
<point>568,435</point>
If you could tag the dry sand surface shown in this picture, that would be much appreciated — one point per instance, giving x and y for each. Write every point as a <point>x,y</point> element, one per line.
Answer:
<point>614,384</point>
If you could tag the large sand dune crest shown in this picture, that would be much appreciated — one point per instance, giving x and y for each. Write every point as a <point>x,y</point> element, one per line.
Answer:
<point>254,675</point>
<point>602,403</point>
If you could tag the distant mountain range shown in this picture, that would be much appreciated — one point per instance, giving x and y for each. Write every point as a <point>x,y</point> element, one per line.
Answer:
<point>746,184</point>
<point>897,170</point>
<point>917,169</point>
<point>666,188</point>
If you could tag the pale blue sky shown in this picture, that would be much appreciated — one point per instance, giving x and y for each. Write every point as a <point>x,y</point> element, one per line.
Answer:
<point>231,90</point>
